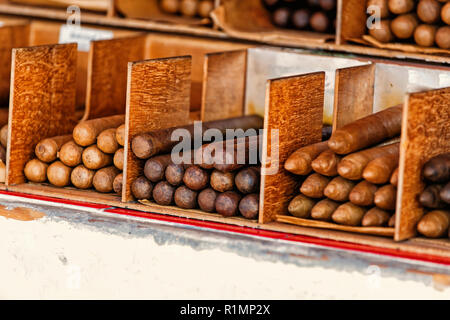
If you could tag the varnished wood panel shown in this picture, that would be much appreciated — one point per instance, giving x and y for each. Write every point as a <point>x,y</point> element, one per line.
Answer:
<point>354,92</point>
<point>425,134</point>
<point>42,102</point>
<point>158,98</point>
<point>107,74</point>
<point>11,36</point>
<point>224,85</point>
<point>294,107</point>
<point>351,21</point>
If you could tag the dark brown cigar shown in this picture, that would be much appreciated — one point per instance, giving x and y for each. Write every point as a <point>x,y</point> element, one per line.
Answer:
<point>249,206</point>
<point>437,169</point>
<point>445,193</point>
<point>196,178</point>
<point>207,200</point>
<point>159,141</point>
<point>163,193</point>
<point>430,197</point>
<point>222,181</point>
<point>227,203</point>
<point>142,188</point>
<point>185,198</point>
<point>155,167</point>
<point>247,180</point>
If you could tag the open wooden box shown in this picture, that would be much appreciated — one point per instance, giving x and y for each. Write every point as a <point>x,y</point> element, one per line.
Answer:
<point>363,90</point>
<point>106,95</point>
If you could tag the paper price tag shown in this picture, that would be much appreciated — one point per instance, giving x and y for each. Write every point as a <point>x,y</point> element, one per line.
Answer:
<point>82,36</point>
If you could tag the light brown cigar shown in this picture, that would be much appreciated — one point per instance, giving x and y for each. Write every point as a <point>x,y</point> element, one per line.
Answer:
<point>107,142</point>
<point>352,166</point>
<point>376,217</point>
<point>47,149</point>
<point>391,222</point>
<point>401,6</point>
<point>367,131</point>
<point>159,141</point>
<point>394,178</point>
<point>36,170</point>
<point>349,214</point>
<point>58,174</point>
<point>222,181</point>
<point>434,224</point>
<point>141,188</point>
<point>380,170</point>
<point>155,167</point>
<point>94,159</point>
<point>3,154</point>
<point>363,194</point>
<point>118,184</point>
<point>403,26</point>
<point>324,209</point>
<point>230,155</point>
<point>119,158</point>
<point>2,172</point>
<point>386,197</point>
<point>301,206</point>
<point>248,179</point>
<point>249,206</point>
<point>314,186</point>
<point>82,177</point>
<point>326,163</point>
<point>86,132</point>
<point>120,135</point>
<point>4,136</point>
<point>71,154</point>
<point>339,189</point>
<point>104,179</point>
<point>300,162</point>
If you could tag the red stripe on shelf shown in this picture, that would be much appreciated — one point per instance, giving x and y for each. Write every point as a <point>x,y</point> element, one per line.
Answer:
<point>246,230</point>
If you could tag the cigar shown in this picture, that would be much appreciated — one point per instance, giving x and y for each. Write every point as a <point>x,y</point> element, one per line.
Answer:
<point>82,177</point>
<point>71,154</point>
<point>4,136</point>
<point>249,206</point>
<point>376,217</point>
<point>118,183</point>
<point>300,162</point>
<point>339,189</point>
<point>434,224</point>
<point>227,203</point>
<point>155,168</point>
<point>93,158</point>
<point>119,158</point>
<point>163,193</point>
<point>104,179</point>
<point>326,163</point>
<point>314,186</point>
<point>142,188</point>
<point>185,198</point>
<point>324,209</point>
<point>174,174</point>
<point>207,200</point>
<point>155,142</point>
<point>394,178</point>
<point>437,169</point>
<point>391,223</point>
<point>363,194</point>
<point>196,178</point>
<point>430,197</point>
<point>248,179</point>
<point>380,170</point>
<point>386,197</point>
<point>36,171</point>
<point>222,181</point>
<point>301,206</point>
<point>349,214</point>
<point>445,193</point>
<point>47,149</point>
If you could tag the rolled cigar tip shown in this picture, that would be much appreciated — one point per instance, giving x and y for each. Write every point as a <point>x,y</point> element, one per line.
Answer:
<point>154,170</point>
<point>47,151</point>
<point>430,173</point>
<point>324,209</point>
<point>292,165</point>
<point>344,170</point>
<point>434,224</point>
<point>427,198</point>
<point>141,147</point>
<point>88,136</point>
<point>249,206</point>
<point>348,214</point>
<point>375,218</point>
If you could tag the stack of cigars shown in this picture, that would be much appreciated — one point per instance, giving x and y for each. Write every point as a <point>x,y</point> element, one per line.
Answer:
<point>436,197</point>
<point>315,15</point>
<point>187,8</point>
<point>91,157</point>
<point>351,179</point>
<point>229,187</point>
<point>425,22</point>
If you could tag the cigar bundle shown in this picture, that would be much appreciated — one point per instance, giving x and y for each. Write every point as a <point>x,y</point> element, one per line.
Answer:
<point>221,177</point>
<point>187,8</point>
<point>436,197</point>
<point>350,178</point>
<point>425,22</point>
<point>91,157</point>
<point>315,15</point>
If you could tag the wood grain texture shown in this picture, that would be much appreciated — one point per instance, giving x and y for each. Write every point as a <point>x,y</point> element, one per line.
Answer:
<point>42,102</point>
<point>158,98</point>
<point>11,36</point>
<point>354,93</point>
<point>107,74</point>
<point>351,20</point>
<point>224,85</point>
<point>425,134</point>
<point>294,107</point>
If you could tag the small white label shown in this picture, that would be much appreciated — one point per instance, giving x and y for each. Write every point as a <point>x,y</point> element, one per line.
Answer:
<point>82,36</point>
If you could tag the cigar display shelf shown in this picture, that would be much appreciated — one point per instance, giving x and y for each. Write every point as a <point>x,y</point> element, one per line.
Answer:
<point>257,28</point>
<point>296,93</point>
